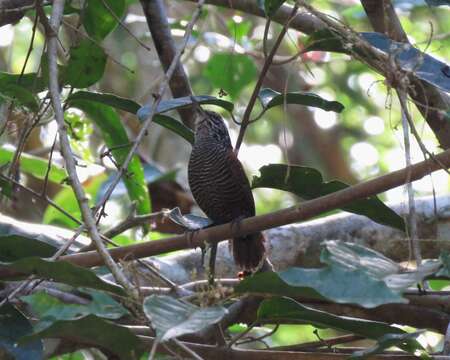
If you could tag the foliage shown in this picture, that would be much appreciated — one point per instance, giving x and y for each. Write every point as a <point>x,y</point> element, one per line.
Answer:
<point>320,111</point>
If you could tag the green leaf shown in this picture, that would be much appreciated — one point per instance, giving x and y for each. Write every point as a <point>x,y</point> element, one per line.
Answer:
<point>49,309</point>
<point>14,325</point>
<point>272,6</point>
<point>333,283</point>
<point>34,165</point>
<point>277,309</point>
<point>133,107</point>
<point>307,183</point>
<point>116,138</point>
<point>407,342</point>
<point>115,101</point>
<point>86,65</point>
<point>93,331</point>
<point>29,81</point>
<point>175,126</point>
<point>6,189</point>
<point>20,239</point>
<point>178,103</point>
<point>356,257</point>
<point>282,308</point>
<point>230,72</point>
<point>172,318</point>
<point>152,175</point>
<point>20,95</point>
<point>67,200</point>
<point>98,18</point>
<point>60,271</point>
<point>270,98</point>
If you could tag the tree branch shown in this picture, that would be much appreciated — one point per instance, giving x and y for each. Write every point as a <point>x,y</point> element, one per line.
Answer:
<point>155,13</point>
<point>432,103</point>
<point>303,211</point>
<point>55,21</point>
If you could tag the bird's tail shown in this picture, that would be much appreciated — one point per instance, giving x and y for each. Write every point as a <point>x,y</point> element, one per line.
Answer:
<point>249,250</point>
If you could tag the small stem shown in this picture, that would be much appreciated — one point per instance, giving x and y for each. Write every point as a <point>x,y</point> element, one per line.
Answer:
<point>262,75</point>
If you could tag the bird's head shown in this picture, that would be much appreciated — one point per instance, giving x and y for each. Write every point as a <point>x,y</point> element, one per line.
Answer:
<point>210,125</point>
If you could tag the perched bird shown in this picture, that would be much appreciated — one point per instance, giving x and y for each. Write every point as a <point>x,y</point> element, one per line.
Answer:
<point>220,187</point>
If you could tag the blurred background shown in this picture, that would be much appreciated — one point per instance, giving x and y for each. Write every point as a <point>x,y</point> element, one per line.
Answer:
<point>225,53</point>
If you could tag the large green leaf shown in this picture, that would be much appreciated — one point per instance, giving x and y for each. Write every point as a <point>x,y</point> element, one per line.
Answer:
<point>333,283</point>
<point>172,318</point>
<point>60,271</point>
<point>308,183</point>
<point>116,138</point>
<point>406,342</point>
<point>67,200</point>
<point>357,257</point>
<point>49,309</point>
<point>19,239</point>
<point>277,309</point>
<point>20,95</point>
<point>230,72</point>
<point>86,65</point>
<point>14,325</point>
<point>29,81</point>
<point>270,98</point>
<point>93,331</point>
<point>115,101</point>
<point>132,107</point>
<point>34,165</point>
<point>6,189</point>
<point>178,103</point>
<point>100,17</point>
<point>410,59</point>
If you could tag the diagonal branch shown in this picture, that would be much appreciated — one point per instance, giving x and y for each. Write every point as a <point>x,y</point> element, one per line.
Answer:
<point>431,102</point>
<point>155,13</point>
<point>157,99</point>
<point>55,21</point>
<point>303,211</point>
<point>262,75</point>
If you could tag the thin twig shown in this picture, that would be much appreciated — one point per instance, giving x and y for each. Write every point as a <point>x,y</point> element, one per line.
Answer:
<point>266,66</point>
<point>158,97</point>
<point>105,4</point>
<point>188,350</point>
<point>412,218</point>
<point>55,21</point>
<point>303,211</point>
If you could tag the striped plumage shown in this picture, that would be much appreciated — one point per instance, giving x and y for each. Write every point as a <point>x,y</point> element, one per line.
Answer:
<point>220,186</point>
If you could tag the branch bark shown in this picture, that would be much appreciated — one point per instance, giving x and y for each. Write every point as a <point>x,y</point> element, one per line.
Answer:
<point>303,211</point>
<point>155,13</point>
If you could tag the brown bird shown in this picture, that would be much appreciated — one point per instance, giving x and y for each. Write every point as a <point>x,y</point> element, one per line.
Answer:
<point>221,188</point>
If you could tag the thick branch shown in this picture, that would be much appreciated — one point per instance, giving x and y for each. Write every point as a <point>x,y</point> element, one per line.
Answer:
<point>297,213</point>
<point>155,13</point>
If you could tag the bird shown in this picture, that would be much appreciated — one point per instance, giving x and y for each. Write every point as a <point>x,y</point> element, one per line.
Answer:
<point>221,189</point>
